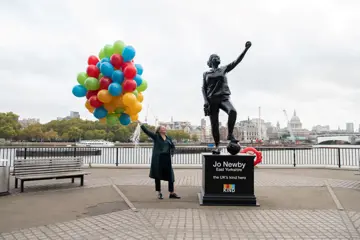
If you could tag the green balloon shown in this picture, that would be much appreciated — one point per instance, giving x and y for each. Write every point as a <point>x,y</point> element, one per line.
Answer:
<point>112,119</point>
<point>119,47</point>
<point>101,54</point>
<point>135,93</point>
<point>143,86</point>
<point>108,50</point>
<point>81,77</point>
<point>100,76</point>
<point>119,110</point>
<point>92,83</point>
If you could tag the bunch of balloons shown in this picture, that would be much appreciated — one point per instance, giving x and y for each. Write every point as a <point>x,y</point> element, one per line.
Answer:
<point>252,150</point>
<point>112,84</point>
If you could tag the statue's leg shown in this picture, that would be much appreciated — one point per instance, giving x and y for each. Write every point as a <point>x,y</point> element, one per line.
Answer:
<point>227,106</point>
<point>214,120</point>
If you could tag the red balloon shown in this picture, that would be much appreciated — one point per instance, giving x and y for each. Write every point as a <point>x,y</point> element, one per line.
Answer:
<point>116,60</point>
<point>130,72</point>
<point>125,65</point>
<point>95,102</point>
<point>91,93</point>
<point>93,60</point>
<point>92,71</point>
<point>129,85</point>
<point>105,82</point>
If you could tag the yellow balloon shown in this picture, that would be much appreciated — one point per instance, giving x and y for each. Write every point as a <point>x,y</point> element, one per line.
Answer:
<point>134,117</point>
<point>102,120</point>
<point>129,99</point>
<point>140,97</point>
<point>137,107</point>
<point>104,96</point>
<point>110,107</point>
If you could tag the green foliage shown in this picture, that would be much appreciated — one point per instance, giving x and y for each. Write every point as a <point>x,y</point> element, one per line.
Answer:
<point>73,130</point>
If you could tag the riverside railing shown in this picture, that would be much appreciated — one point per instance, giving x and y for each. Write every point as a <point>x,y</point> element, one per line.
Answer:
<point>117,156</point>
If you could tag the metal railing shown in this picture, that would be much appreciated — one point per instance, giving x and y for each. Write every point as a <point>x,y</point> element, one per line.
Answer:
<point>322,157</point>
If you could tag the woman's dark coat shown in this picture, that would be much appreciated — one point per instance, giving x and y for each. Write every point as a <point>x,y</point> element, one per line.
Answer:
<point>161,166</point>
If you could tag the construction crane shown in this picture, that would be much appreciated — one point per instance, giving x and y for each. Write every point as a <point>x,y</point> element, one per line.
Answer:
<point>292,137</point>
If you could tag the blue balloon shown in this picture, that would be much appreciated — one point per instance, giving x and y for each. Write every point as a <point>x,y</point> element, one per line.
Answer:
<point>118,76</point>
<point>98,65</point>
<point>115,89</point>
<point>79,91</point>
<point>105,59</point>
<point>100,112</point>
<point>139,69</point>
<point>128,53</point>
<point>107,69</point>
<point>124,119</point>
<point>138,80</point>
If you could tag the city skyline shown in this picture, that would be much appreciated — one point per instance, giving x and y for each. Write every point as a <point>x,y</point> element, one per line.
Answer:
<point>308,62</point>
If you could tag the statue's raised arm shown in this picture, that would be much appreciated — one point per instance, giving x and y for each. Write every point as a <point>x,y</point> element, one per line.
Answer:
<point>233,64</point>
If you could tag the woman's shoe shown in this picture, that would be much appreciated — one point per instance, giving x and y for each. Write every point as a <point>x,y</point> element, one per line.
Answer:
<point>174,195</point>
<point>160,196</point>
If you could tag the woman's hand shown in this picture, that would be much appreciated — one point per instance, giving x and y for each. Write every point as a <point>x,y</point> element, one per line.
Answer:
<point>248,44</point>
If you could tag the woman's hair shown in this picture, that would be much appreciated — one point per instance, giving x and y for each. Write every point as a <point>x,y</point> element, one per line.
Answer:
<point>157,129</point>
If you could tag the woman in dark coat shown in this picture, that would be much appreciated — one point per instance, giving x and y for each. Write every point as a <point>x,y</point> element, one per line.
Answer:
<point>161,166</point>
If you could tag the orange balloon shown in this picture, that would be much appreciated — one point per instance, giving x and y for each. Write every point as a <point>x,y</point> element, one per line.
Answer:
<point>104,96</point>
<point>110,107</point>
<point>134,117</point>
<point>118,101</point>
<point>102,120</point>
<point>89,107</point>
<point>129,99</point>
<point>140,97</point>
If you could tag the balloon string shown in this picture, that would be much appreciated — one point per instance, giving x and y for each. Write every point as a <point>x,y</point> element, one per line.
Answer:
<point>135,137</point>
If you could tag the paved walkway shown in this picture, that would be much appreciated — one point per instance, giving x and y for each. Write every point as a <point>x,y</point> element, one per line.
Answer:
<point>121,204</point>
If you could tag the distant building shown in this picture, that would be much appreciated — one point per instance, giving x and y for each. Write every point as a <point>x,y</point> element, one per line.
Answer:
<point>321,129</point>
<point>71,116</point>
<point>350,127</point>
<point>28,121</point>
<point>296,127</point>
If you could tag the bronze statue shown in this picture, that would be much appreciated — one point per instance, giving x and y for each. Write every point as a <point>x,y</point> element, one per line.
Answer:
<point>216,94</point>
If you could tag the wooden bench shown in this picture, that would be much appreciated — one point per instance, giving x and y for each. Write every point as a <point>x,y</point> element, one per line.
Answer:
<point>48,168</point>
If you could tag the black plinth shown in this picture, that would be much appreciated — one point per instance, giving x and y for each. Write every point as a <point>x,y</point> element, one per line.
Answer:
<point>228,180</point>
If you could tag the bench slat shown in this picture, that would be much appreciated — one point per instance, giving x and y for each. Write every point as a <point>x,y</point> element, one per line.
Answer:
<point>39,176</point>
<point>29,166</point>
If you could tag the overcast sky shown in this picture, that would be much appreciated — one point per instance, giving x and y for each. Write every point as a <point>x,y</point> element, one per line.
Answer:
<point>305,55</point>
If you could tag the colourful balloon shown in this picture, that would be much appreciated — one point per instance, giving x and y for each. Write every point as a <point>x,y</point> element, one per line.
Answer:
<point>140,97</point>
<point>105,59</point>
<point>89,107</point>
<point>130,72</point>
<point>93,60</point>
<point>134,117</point>
<point>79,91</point>
<point>101,54</point>
<point>128,99</point>
<point>115,89</point>
<point>110,107</point>
<point>139,69</point>
<point>104,83</point>
<point>81,77</point>
<point>136,107</point>
<point>95,102</point>
<point>108,50</point>
<point>118,76</point>
<point>118,101</point>
<point>91,93</point>
<point>100,112</point>
<point>143,86</point>
<point>92,83</point>
<point>107,69</point>
<point>92,71</point>
<point>104,96</point>
<point>135,92</point>
<point>98,65</point>
<point>128,53</point>
<point>129,85</point>
<point>119,110</point>
<point>116,60</point>
<point>102,120</point>
<point>111,119</point>
<point>124,119</point>
<point>138,80</point>
<point>118,47</point>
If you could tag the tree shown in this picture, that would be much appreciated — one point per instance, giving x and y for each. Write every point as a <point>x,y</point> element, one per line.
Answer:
<point>9,125</point>
<point>50,135</point>
<point>194,138</point>
<point>74,133</point>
